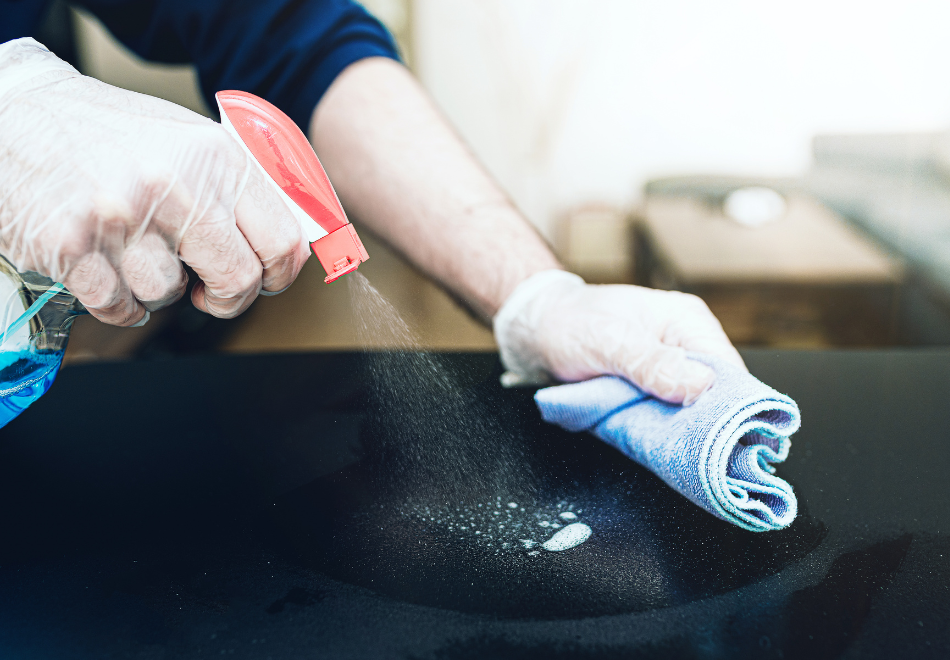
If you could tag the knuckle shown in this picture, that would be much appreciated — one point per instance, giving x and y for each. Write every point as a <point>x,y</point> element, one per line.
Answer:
<point>227,308</point>
<point>248,279</point>
<point>119,315</point>
<point>692,301</point>
<point>285,245</point>
<point>76,239</point>
<point>239,282</point>
<point>110,208</point>
<point>130,315</point>
<point>158,289</point>
<point>97,299</point>
<point>94,282</point>
<point>153,272</point>
<point>156,184</point>
<point>229,312</point>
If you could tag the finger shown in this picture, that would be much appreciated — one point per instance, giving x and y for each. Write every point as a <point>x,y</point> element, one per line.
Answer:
<point>102,291</point>
<point>706,341</point>
<point>665,372</point>
<point>272,232</point>
<point>154,272</point>
<point>701,332</point>
<point>226,264</point>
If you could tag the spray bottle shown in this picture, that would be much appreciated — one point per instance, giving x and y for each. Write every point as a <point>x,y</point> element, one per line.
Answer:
<point>36,313</point>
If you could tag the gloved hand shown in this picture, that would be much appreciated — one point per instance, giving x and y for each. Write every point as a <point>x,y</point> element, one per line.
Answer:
<point>108,191</point>
<point>555,325</point>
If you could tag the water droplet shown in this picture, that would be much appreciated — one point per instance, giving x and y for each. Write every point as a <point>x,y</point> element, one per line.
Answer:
<point>567,538</point>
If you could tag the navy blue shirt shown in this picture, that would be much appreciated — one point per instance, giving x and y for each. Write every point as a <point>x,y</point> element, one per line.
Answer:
<point>287,51</point>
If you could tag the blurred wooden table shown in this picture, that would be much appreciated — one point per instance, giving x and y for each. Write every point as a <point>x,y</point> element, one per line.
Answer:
<point>806,280</point>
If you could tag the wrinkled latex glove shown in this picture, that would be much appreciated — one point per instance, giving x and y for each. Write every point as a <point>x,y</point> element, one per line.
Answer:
<point>555,326</point>
<point>109,191</point>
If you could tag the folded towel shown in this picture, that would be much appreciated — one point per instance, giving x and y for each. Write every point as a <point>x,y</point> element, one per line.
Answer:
<point>718,452</point>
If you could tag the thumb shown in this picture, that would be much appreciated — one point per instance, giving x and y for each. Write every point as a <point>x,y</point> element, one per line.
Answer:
<point>666,373</point>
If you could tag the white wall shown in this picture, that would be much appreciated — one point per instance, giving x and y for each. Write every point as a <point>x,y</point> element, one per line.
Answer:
<point>571,101</point>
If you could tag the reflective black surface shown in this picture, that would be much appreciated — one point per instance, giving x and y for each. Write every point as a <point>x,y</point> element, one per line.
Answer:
<point>233,506</point>
<point>648,550</point>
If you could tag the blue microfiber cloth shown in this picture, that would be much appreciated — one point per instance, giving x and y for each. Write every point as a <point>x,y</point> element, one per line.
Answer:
<point>718,452</point>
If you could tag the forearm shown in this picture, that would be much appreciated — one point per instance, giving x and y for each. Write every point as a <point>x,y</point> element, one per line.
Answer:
<point>401,171</point>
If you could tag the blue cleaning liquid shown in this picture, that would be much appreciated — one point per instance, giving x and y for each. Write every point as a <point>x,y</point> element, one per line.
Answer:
<point>24,378</point>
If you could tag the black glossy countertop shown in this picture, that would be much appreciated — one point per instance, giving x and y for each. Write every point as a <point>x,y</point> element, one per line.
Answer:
<point>236,506</point>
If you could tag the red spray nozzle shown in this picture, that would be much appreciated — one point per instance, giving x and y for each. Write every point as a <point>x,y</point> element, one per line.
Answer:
<point>284,154</point>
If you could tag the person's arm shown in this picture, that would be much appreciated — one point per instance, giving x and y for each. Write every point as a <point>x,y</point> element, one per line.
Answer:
<point>403,172</point>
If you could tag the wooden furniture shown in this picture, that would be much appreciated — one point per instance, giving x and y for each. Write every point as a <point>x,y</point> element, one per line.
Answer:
<point>806,280</point>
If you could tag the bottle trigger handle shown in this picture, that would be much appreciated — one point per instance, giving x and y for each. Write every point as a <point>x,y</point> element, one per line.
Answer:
<point>284,155</point>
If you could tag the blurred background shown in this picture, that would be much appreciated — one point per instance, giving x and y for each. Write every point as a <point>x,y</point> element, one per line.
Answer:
<point>788,163</point>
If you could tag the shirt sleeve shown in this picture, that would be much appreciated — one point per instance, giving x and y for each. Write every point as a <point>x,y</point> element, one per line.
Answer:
<point>286,51</point>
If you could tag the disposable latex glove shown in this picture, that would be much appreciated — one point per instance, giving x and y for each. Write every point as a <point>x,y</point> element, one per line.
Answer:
<point>555,326</point>
<point>108,191</point>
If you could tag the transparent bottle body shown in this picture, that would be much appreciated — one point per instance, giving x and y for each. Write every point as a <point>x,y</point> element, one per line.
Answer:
<point>30,356</point>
